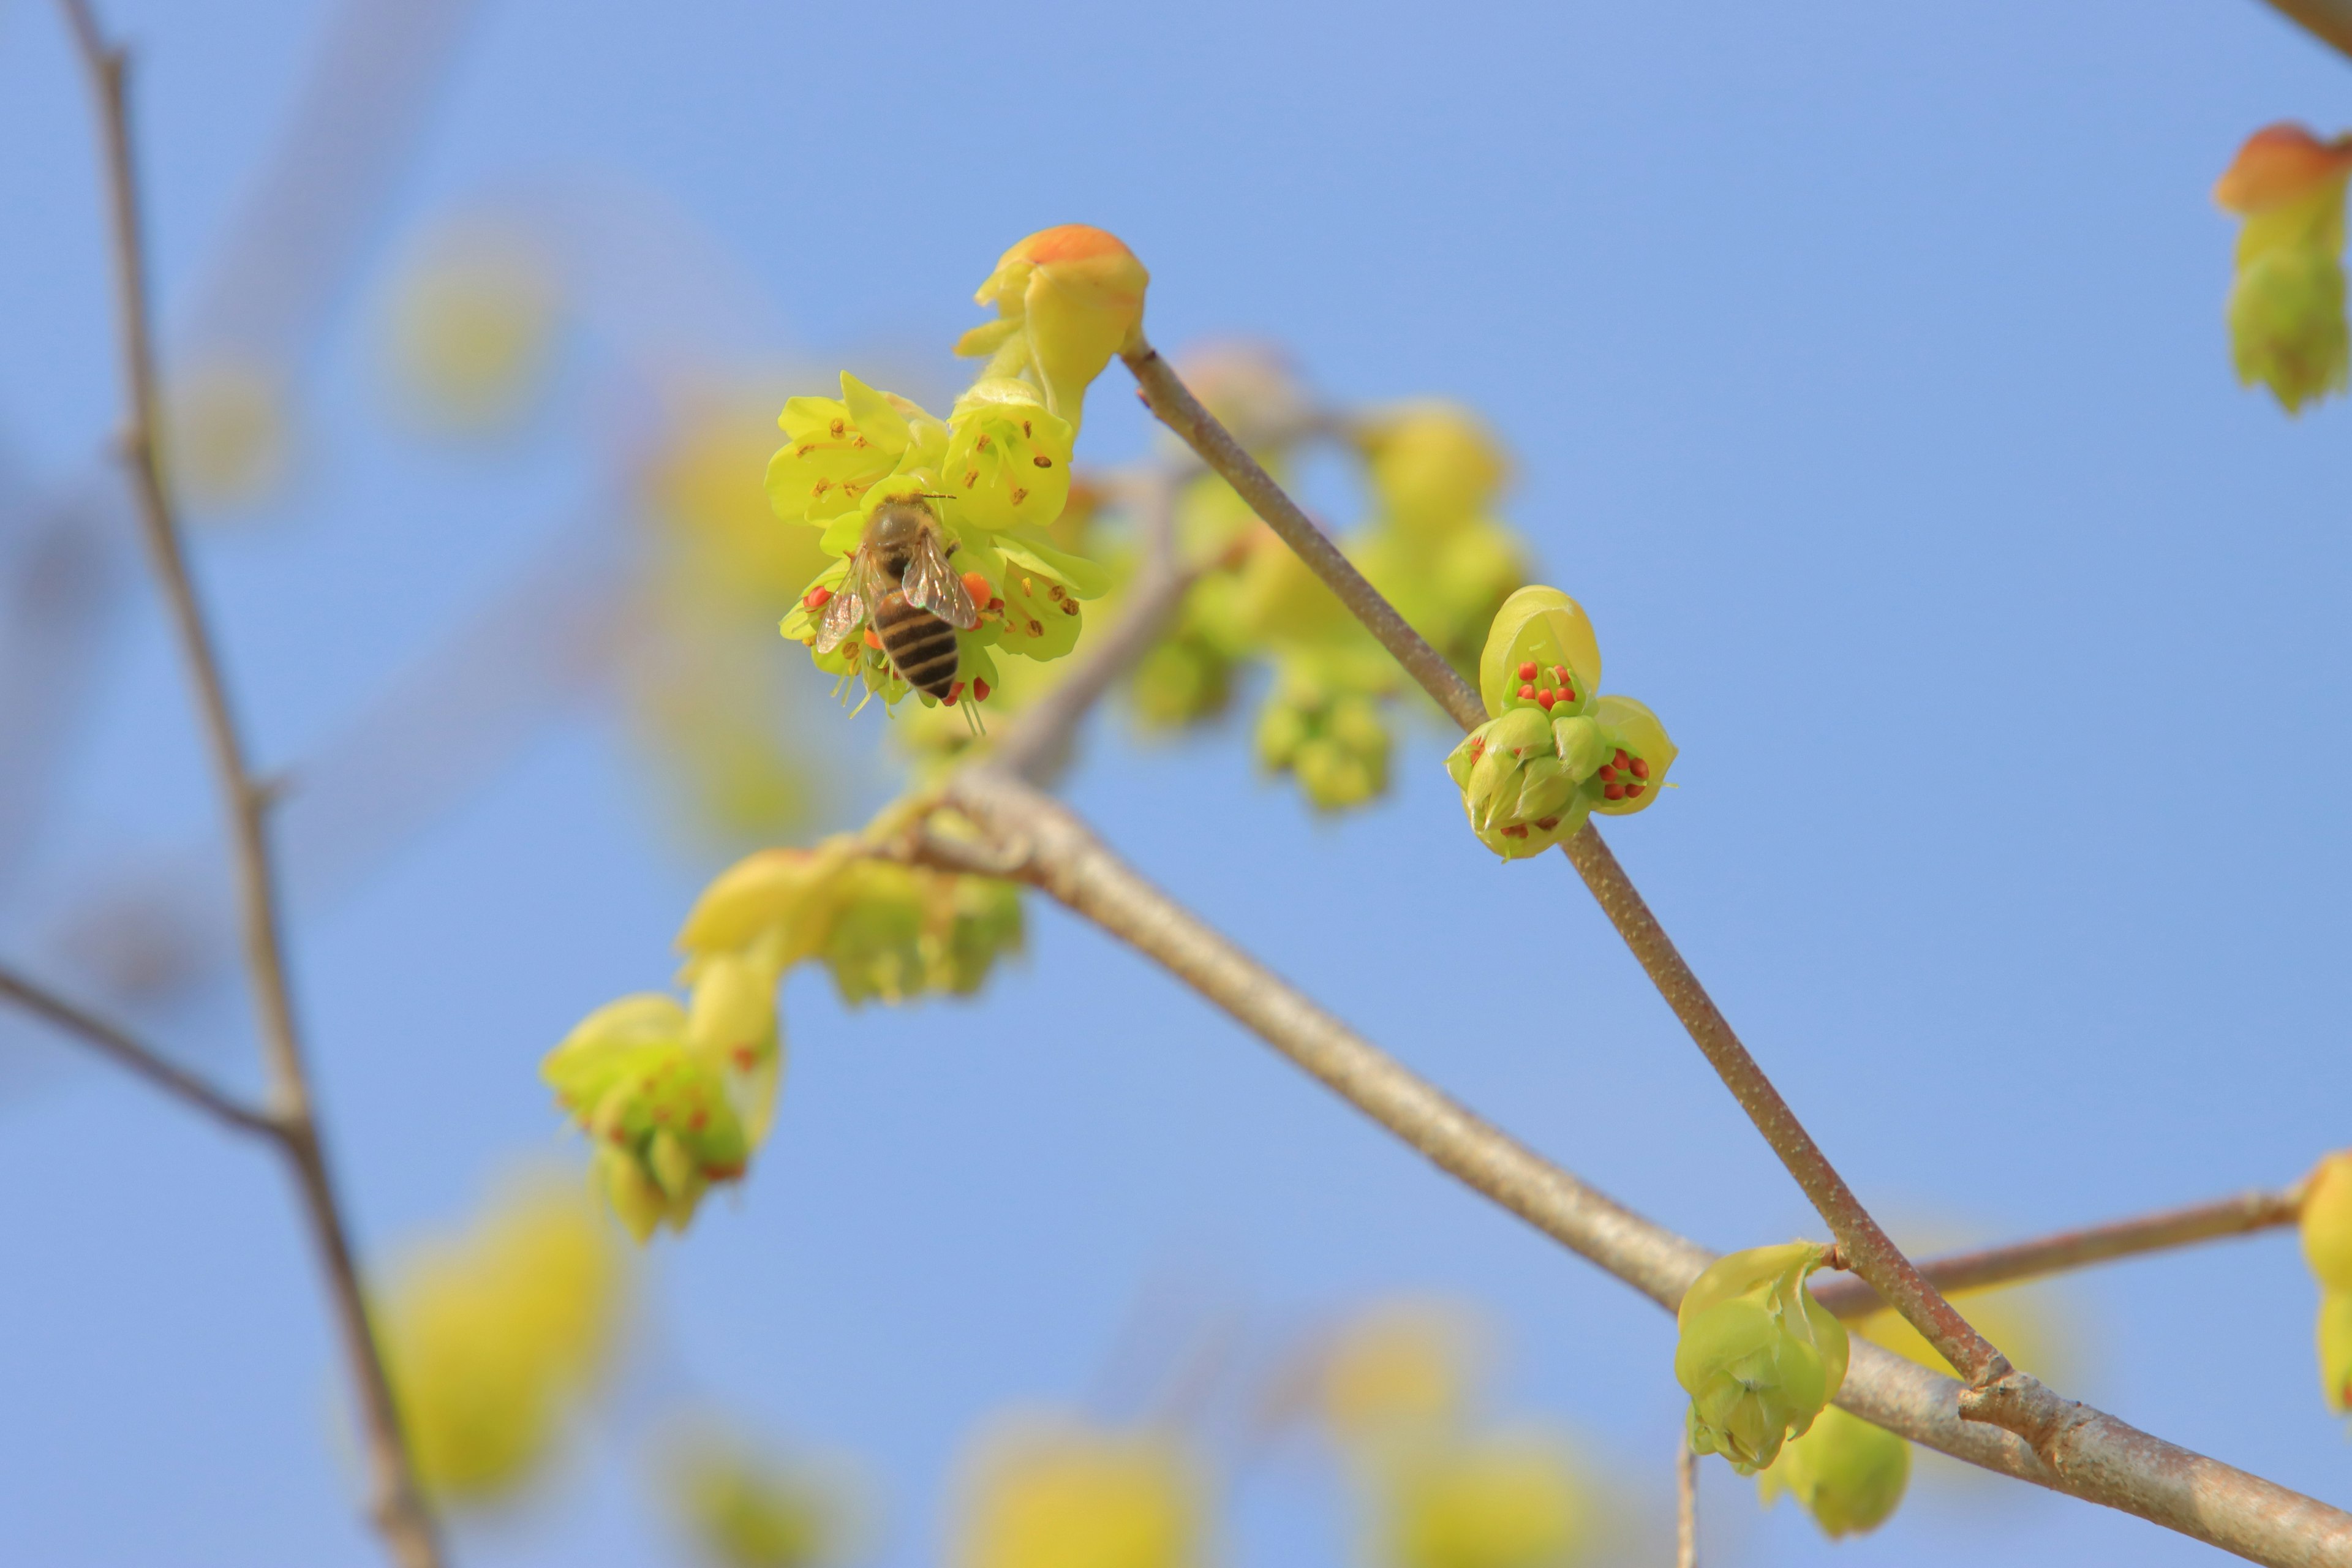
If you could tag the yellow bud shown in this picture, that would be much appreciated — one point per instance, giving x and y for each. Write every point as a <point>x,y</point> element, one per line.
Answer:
<point>1076,295</point>
<point>1848,1474</point>
<point>1509,1500</point>
<point>2327,1222</point>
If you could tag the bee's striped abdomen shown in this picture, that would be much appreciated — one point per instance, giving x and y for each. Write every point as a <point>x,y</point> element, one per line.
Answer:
<point>921,645</point>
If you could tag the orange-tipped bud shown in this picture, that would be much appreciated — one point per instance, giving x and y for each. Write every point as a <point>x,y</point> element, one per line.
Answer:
<point>1073,296</point>
<point>2278,164</point>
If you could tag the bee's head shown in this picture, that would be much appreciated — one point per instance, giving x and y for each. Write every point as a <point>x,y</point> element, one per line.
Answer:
<point>896,521</point>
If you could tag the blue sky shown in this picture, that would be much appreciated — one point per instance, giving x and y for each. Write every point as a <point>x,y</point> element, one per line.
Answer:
<point>1867,377</point>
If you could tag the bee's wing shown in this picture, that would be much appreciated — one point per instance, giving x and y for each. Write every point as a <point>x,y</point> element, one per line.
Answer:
<point>930,584</point>
<point>846,609</point>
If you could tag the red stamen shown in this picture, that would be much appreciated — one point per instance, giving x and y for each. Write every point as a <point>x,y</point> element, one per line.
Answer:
<point>953,692</point>
<point>1607,773</point>
<point>818,598</point>
<point>1546,698</point>
<point>1615,792</point>
<point>1527,694</point>
<point>1633,791</point>
<point>1641,769</point>
<point>872,641</point>
<point>1620,759</point>
<point>1547,822</point>
<point>1516,832</point>
<point>980,692</point>
<point>1527,671</point>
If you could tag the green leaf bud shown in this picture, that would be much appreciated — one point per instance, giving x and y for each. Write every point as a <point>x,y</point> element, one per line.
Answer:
<point>1758,1355</point>
<point>1848,1474</point>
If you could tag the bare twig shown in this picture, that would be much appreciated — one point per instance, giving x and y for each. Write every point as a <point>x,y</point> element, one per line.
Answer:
<point>2056,1253</point>
<point>398,1505</point>
<point>143,1060</point>
<point>2080,1451</point>
<point>1871,1252</point>
<point>2330,21</point>
<point>1038,744</point>
<point>1685,1504</point>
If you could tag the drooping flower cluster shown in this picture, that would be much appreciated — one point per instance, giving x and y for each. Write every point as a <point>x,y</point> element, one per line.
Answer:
<point>1429,543</point>
<point>493,1337</point>
<point>2286,302</point>
<point>1556,750</point>
<point>1758,1355</point>
<point>2327,1225</point>
<point>676,1099</point>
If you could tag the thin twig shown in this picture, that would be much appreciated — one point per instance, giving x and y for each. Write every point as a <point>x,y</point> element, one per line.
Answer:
<point>1872,1254</point>
<point>1985,1266</point>
<point>144,1061</point>
<point>2330,21</point>
<point>398,1506</point>
<point>1039,743</point>
<point>1685,1504</point>
<point>2083,1452</point>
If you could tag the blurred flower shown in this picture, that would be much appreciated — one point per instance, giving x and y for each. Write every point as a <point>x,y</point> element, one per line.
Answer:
<point>1255,391</point>
<point>1848,1474</point>
<point>2286,306</point>
<point>1758,1355</point>
<point>1402,1367</point>
<point>744,1507</point>
<point>1432,465</point>
<point>1505,1501</point>
<point>2024,1322</point>
<point>1066,300</point>
<point>1335,741</point>
<point>473,325</point>
<point>2335,1336</point>
<point>226,439</point>
<point>493,1337</point>
<point>1049,1491</point>
<point>702,490</point>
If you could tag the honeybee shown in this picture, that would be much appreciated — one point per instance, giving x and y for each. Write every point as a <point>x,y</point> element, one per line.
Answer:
<point>900,583</point>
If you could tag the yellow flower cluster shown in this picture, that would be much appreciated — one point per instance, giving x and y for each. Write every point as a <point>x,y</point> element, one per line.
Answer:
<point>492,1338</point>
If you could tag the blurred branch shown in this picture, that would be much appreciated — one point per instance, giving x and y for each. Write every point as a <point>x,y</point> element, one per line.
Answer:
<point>400,1511</point>
<point>1685,1504</point>
<point>1039,743</point>
<point>150,1065</point>
<point>1865,1244</point>
<point>2080,1451</point>
<point>2330,21</point>
<point>1975,1270</point>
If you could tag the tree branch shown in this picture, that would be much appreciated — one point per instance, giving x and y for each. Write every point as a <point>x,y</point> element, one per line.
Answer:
<point>128,1052</point>
<point>1685,1504</point>
<point>2066,1249</point>
<point>398,1506</point>
<point>2083,1452</point>
<point>2330,21</point>
<point>1866,1246</point>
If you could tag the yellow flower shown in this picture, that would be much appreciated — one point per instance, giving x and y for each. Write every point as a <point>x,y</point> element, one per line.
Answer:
<point>2326,1222</point>
<point>836,450</point>
<point>1043,1492</point>
<point>700,486</point>
<point>1008,456</point>
<point>1433,465</point>
<point>1066,300</point>
<point>493,1337</point>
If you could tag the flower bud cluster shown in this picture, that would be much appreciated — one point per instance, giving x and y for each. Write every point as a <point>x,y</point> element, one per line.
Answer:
<point>2327,1225</point>
<point>493,1338</point>
<point>1329,734</point>
<point>745,1507</point>
<point>2286,301</point>
<point>1556,750</point>
<point>1760,1357</point>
